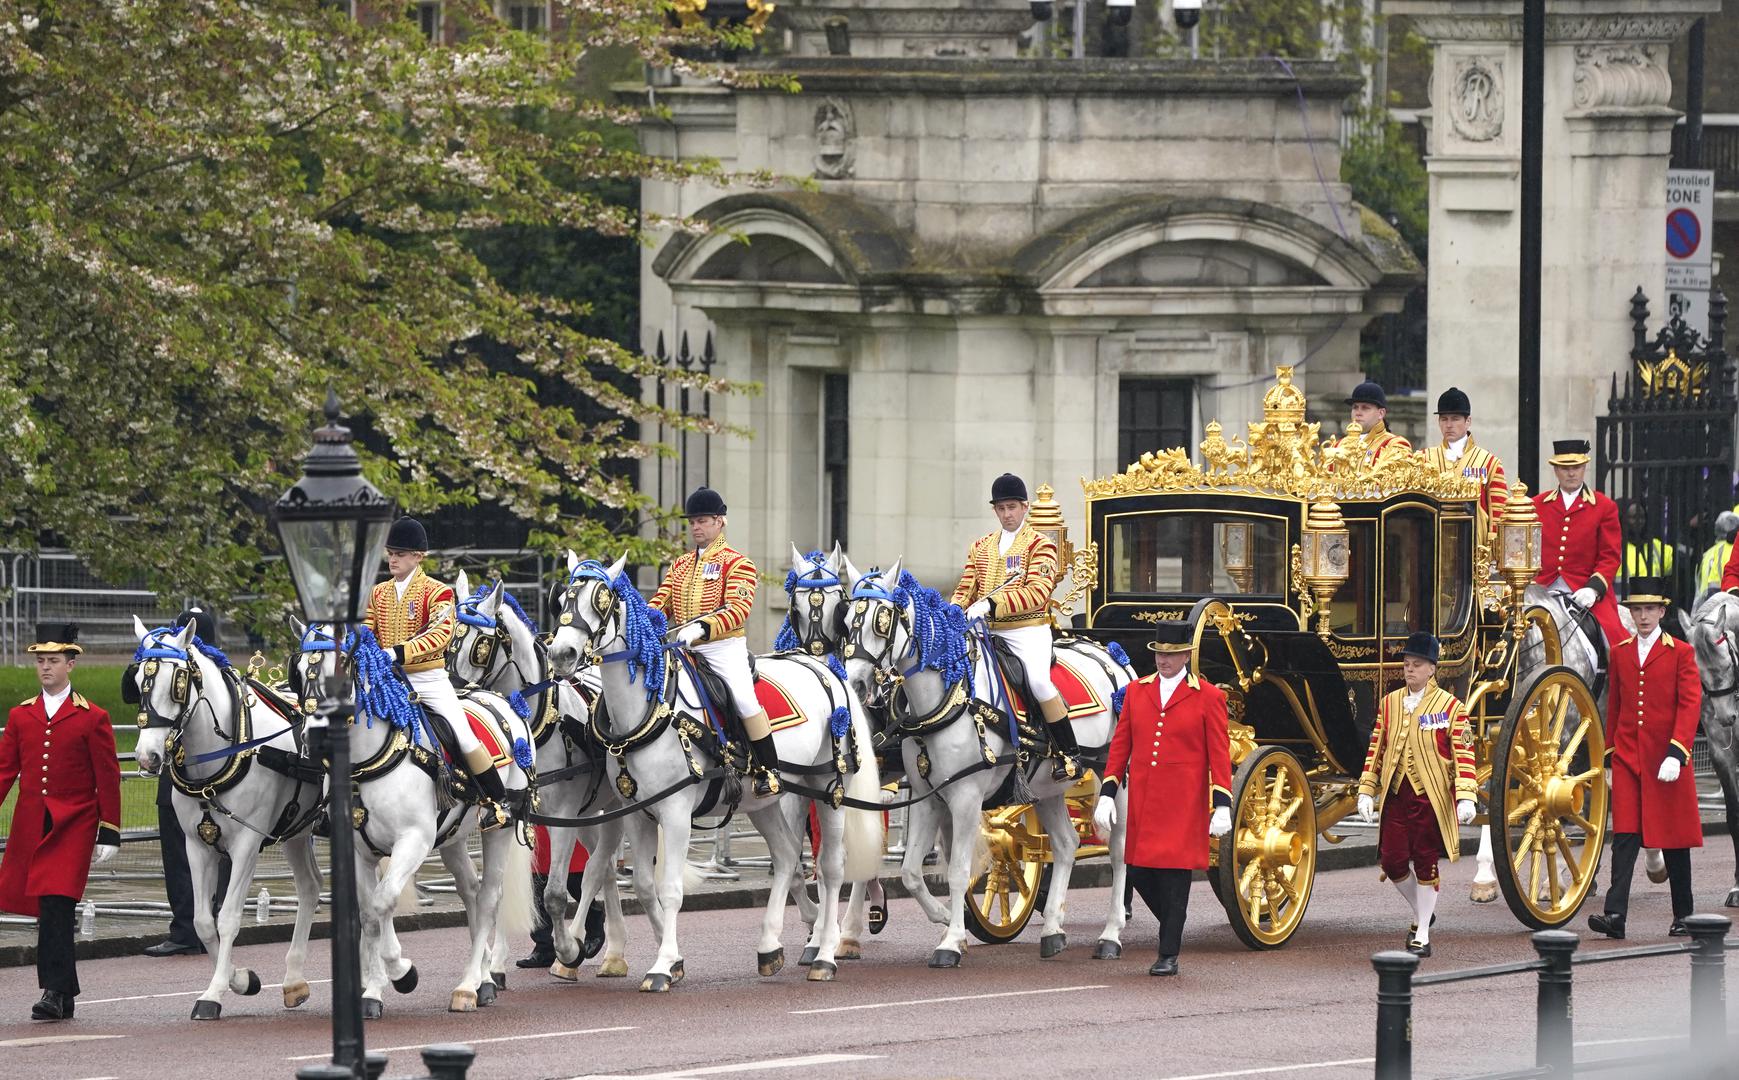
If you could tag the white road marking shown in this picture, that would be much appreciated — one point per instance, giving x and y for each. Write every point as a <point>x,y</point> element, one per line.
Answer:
<point>49,1040</point>
<point>940,1000</point>
<point>1637,1039</point>
<point>739,1067</point>
<point>1273,1069</point>
<point>475,1042</point>
<point>185,993</point>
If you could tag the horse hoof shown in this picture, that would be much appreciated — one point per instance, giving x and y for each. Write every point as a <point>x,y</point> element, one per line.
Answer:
<point>808,957</point>
<point>655,983</point>
<point>1732,897</point>
<point>207,1010</point>
<point>295,994</point>
<point>822,971</point>
<point>372,1008</point>
<point>1483,892</point>
<point>1659,877</point>
<point>613,968</point>
<point>677,971</point>
<point>769,963</point>
<point>564,972</point>
<point>463,1001</point>
<point>245,982</point>
<point>849,949</point>
<point>945,958</point>
<point>407,982</point>
<point>1108,950</point>
<point>499,978</point>
<point>486,993</point>
<point>1052,944</point>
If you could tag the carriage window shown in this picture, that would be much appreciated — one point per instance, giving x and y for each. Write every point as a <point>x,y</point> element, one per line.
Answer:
<point>1407,572</point>
<point>1454,576</point>
<point>1349,610</point>
<point>1197,554</point>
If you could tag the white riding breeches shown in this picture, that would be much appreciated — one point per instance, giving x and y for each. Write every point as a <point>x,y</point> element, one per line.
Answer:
<point>1032,647</point>
<point>438,696</point>
<point>729,660</point>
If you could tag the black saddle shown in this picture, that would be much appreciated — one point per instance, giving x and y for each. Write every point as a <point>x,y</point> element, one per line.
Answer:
<point>1596,635</point>
<point>1015,676</point>
<point>719,694</point>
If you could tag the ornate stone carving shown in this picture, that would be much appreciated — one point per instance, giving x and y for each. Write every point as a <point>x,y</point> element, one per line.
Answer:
<point>1476,103</point>
<point>835,154</point>
<point>1616,28</point>
<point>1623,76</point>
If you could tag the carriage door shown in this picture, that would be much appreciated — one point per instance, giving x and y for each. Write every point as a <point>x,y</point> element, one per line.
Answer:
<point>1407,596</point>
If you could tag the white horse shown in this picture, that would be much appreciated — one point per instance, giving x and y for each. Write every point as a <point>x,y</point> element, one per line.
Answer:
<point>503,655</point>
<point>946,705</point>
<point>395,769</point>
<point>1715,636</point>
<point>662,750</point>
<point>192,703</point>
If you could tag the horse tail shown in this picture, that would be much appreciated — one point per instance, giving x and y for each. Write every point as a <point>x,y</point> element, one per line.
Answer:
<point>516,917</point>
<point>691,878</point>
<point>865,842</point>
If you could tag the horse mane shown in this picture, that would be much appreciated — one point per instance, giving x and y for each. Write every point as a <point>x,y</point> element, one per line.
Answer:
<point>379,692</point>
<point>506,598</point>
<point>153,642</point>
<point>643,626</point>
<point>938,627</point>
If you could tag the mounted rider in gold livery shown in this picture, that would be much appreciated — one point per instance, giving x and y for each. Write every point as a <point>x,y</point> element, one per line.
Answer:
<point>1368,405</point>
<point>1007,581</point>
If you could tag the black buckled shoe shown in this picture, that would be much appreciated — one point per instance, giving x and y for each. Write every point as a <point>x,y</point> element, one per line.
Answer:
<point>542,956</point>
<point>1421,949</point>
<point>53,1005</point>
<point>1678,929</point>
<point>1165,965</point>
<point>1609,924</point>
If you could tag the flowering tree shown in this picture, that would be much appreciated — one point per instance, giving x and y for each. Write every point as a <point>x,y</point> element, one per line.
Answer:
<point>212,210</point>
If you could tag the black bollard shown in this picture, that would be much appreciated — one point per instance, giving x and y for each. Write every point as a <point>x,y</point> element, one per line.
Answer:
<point>1394,1014</point>
<point>448,1061</point>
<point>374,1064</point>
<point>1709,985</point>
<point>324,1071</point>
<point>1554,1039</point>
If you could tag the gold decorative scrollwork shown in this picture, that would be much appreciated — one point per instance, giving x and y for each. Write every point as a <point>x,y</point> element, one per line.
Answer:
<point>1306,602</point>
<point>1342,651</point>
<point>1490,596</point>
<point>1157,617</point>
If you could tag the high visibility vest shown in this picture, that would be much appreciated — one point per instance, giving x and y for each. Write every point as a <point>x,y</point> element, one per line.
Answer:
<point>1650,558</point>
<point>1714,561</point>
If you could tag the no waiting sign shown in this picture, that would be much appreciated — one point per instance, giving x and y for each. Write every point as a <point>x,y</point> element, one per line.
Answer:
<point>1690,213</point>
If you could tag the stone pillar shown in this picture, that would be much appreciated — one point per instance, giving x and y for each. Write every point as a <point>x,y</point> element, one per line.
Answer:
<point>1608,134</point>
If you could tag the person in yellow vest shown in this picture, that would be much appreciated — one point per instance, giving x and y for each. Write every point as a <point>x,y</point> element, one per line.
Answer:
<point>707,596</point>
<point>1419,775</point>
<point>1370,407</point>
<point>413,617</point>
<point>1458,453</point>
<point>1008,580</point>
<point>1643,558</point>
<point>1715,556</point>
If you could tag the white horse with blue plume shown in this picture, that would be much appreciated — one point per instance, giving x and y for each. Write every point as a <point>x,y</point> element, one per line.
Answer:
<point>915,654</point>
<point>233,748</point>
<point>500,652</point>
<point>671,761</point>
<point>404,808</point>
<point>1715,636</point>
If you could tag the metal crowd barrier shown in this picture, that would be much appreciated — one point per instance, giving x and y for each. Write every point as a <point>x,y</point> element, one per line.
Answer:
<point>1554,1049</point>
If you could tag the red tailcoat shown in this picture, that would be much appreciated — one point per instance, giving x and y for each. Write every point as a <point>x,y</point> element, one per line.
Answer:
<point>1176,760</point>
<point>1652,711</point>
<point>1582,545</point>
<point>1730,572</point>
<point>66,770</point>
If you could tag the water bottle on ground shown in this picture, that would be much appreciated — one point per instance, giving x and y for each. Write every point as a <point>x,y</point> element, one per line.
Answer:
<point>262,905</point>
<point>87,923</point>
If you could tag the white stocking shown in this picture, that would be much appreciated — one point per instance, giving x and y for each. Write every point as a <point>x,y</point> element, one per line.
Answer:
<point>1409,890</point>
<point>1424,903</point>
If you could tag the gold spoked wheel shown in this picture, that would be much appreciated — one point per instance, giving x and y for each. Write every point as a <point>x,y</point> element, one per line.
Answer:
<point>1551,652</point>
<point>1003,898</point>
<point>1547,799</point>
<point>1267,863</point>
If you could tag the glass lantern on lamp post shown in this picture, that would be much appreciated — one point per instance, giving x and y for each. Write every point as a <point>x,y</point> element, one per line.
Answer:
<point>332,524</point>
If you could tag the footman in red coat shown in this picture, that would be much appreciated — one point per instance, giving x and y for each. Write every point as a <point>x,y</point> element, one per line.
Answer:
<point>1654,697</point>
<point>60,749</point>
<point>1172,752</point>
<point>1581,539</point>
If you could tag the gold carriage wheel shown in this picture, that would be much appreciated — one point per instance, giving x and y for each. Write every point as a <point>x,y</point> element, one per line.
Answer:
<point>1548,797</point>
<point>1538,618</point>
<point>1001,901</point>
<point>1267,863</point>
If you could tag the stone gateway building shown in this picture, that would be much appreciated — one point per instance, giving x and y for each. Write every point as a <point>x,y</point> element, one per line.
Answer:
<point>996,264</point>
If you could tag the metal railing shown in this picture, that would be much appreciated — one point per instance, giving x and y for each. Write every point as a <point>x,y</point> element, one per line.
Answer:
<point>1554,1047</point>
<point>1720,148</point>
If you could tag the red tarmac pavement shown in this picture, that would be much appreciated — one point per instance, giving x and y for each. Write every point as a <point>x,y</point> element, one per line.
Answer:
<point>1306,1011</point>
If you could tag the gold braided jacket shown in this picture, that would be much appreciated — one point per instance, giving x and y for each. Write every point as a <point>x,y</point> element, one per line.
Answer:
<point>423,622</point>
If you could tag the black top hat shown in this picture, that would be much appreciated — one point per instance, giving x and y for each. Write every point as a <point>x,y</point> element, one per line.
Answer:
<point>204,624</point>
<point>406,534</point>
<point>1422,645</point>
<point>56,637</point>
<point>705,502</point>
<point>1172,637</point>
<point>1370,394</point>
<point>1569,452</point>
<point>1648,590</point>
<point>1454,402</point>
<point>1007,486</point>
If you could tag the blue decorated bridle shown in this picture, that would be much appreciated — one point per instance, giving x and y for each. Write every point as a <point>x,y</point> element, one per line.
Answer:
<point>493,643</point>
<point>874,607</point>
<point>813,634</point>
<point>156,648</point>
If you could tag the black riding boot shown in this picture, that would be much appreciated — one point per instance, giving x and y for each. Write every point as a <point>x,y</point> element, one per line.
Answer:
<point>494,794</point>
<point>543,951</point>
<point>1063,738</point>
<point>767,762</point>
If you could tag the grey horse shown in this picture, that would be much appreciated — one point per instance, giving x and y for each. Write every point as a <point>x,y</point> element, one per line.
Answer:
<point>1715,636</point>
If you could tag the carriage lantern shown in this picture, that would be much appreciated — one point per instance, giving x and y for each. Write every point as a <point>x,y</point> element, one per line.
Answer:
<point>1235,553</point>
<point>1046,518</point>
<point>1518,546</point>
<point>1323,556</point>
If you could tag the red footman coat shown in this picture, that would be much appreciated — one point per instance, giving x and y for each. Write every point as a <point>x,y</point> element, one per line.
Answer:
<point>1176,760</point>
<point>1651,711</point>
<point>1582,544</point>
<point>66,768</point>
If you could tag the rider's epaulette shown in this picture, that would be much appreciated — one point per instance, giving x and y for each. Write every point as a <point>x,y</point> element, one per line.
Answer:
<point>80,700</point>
<point>28,701</point>
<point>1666,639</point>
<point>1149,678</point>
<point>1627,641</point>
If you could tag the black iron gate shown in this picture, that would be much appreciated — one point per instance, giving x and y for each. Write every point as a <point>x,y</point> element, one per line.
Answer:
<point>1666,443</point>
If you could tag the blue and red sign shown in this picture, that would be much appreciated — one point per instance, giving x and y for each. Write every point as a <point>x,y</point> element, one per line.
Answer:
<point>1684,233</point>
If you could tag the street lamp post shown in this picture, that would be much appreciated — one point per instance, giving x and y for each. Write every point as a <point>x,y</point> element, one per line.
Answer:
<point>333,525</point>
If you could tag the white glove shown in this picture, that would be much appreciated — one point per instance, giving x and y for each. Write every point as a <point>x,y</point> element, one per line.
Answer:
<point>690,634</point>
<point>1105,815</point>
<point>102,853</point>
<point>979,610</point>
<point>1669,770</point>
<point>1367,810</point>
<point>1464,811</point>
<point>1585,596</point>
<point>1221,823</point>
